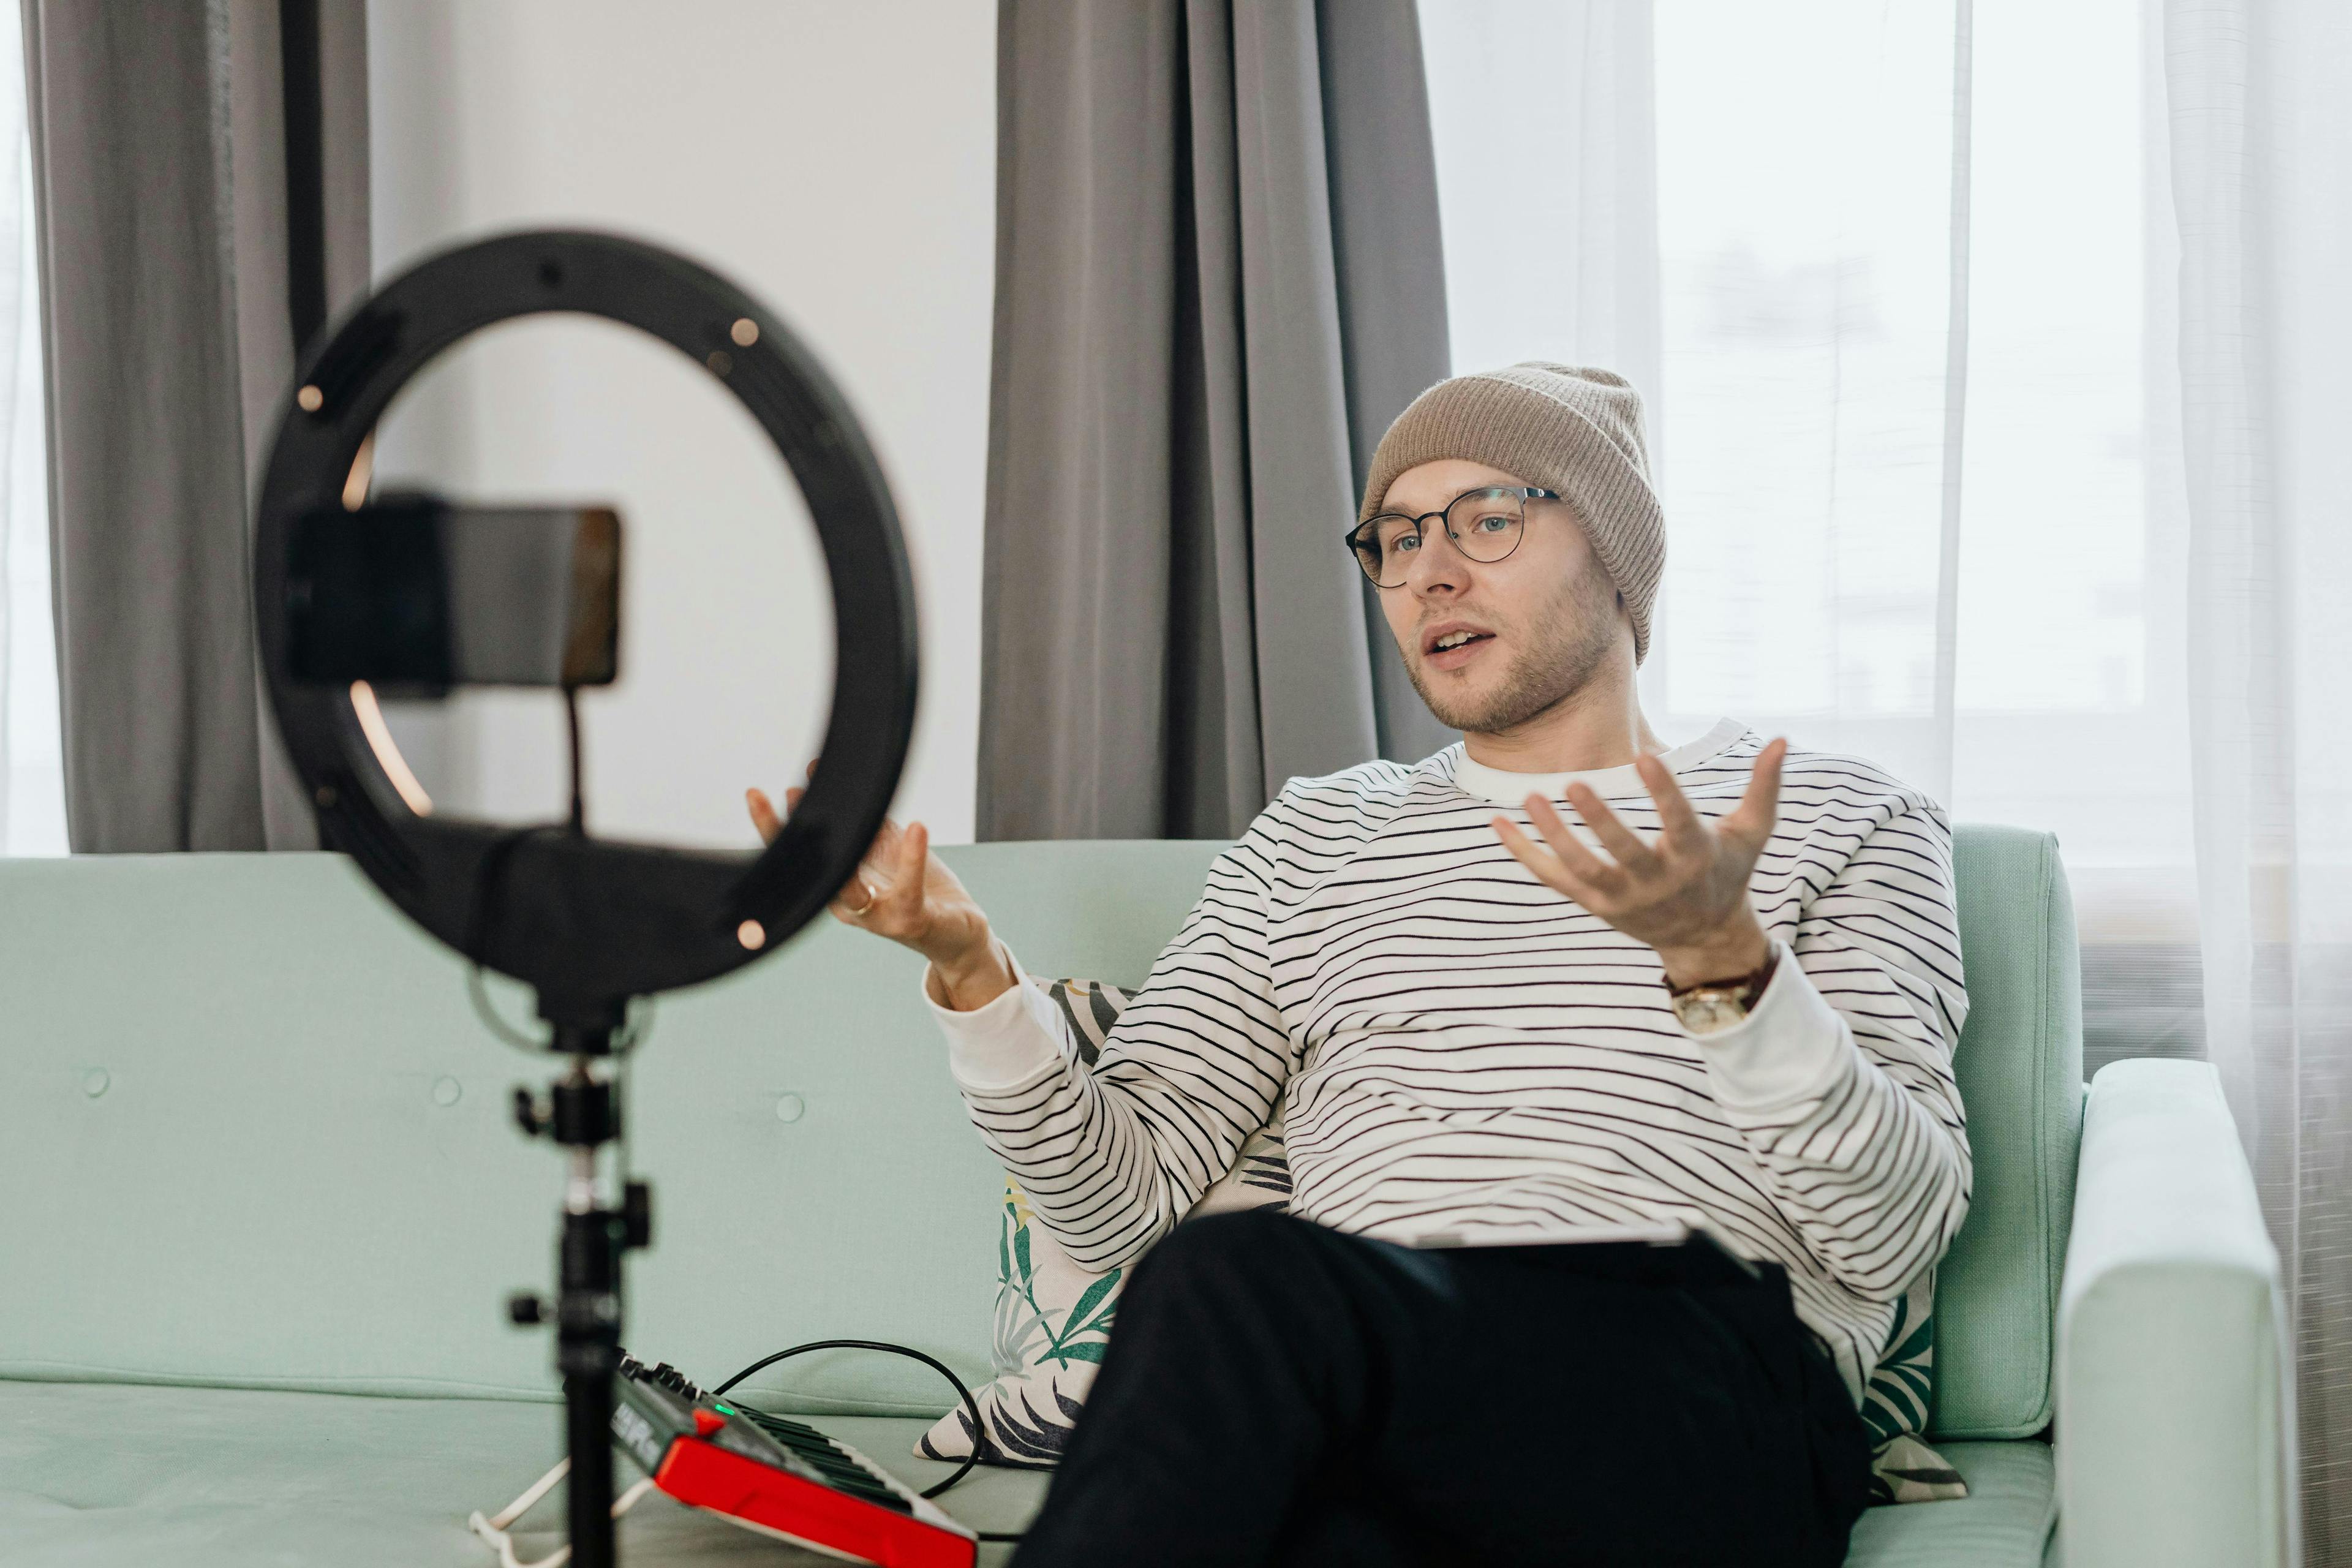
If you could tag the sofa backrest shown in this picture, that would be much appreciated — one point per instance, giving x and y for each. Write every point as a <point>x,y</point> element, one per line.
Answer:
<point>251,1132</point>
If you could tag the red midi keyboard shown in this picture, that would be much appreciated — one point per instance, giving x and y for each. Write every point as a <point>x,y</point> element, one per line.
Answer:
<point>777,1476</point>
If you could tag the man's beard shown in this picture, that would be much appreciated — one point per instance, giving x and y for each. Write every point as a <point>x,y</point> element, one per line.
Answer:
<point>1570,642</point>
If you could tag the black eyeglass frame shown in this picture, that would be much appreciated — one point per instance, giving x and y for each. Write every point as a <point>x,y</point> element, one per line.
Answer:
<point>1420,526</point>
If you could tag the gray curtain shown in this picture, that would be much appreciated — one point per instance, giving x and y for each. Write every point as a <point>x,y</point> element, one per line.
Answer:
<point>160,160</point>
<point>1218,277</point>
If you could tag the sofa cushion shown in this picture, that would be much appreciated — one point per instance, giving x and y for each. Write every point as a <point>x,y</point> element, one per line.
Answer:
<point>2020,1065</point>
<point>109,1476</point>
<point>2003,1523</point>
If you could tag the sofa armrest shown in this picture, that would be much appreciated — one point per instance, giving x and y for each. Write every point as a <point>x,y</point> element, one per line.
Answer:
<point>2171,1430</point>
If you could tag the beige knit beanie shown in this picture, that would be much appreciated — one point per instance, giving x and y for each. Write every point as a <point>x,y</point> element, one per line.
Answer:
<point>1576,429</point>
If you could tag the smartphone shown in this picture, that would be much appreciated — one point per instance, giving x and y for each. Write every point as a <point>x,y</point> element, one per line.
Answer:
<point>415,595</point>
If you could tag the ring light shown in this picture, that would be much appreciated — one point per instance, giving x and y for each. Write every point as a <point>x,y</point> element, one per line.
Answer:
<point>589,923</point>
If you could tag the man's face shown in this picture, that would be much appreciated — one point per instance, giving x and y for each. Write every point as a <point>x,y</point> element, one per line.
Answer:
<point>1541,621</point>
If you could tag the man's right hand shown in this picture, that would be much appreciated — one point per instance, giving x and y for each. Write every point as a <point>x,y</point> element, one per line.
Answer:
<point>903,892</point>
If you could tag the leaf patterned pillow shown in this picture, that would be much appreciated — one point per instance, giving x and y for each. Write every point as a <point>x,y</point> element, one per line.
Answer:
<point>1903,1469</point>
<point>1053,1318</point>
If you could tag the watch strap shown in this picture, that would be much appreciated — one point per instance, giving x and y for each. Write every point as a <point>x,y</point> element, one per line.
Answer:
<point>1748,988</point>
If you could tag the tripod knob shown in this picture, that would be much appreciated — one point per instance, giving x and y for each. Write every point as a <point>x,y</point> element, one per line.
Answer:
<point>636,1216</point>
<point>524,1309</point>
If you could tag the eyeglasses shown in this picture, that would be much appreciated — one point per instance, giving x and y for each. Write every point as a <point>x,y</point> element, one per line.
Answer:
<point>1484,524</point>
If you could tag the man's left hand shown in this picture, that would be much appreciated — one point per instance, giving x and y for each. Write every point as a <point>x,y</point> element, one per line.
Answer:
<point>1686,893</point>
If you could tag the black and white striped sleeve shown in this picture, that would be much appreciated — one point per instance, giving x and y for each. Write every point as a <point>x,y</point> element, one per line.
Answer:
<point>1111,1158</point>
<point>1841,1081</point>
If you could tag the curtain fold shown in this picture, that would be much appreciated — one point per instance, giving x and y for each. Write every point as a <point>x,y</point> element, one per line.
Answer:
<point>26,765</point>
<point>161,172</point>
<point>1389,252</point>
<point>1218,278</point>
<point>2261,163</point>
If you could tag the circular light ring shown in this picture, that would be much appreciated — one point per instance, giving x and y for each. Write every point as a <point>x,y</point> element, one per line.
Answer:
<point>591,922</point>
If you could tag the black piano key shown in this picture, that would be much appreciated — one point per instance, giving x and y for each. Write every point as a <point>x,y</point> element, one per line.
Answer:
<point>821,1454</point>
<point>847,1476</point>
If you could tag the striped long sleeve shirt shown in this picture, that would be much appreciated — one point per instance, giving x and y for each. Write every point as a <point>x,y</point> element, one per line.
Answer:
<point>1450,1045</point>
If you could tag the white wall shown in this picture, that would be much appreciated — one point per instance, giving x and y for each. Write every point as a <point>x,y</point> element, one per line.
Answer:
<point>836,161</point>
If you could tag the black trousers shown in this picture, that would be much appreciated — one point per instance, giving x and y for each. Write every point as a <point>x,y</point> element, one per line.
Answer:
<point>1278,1393</point>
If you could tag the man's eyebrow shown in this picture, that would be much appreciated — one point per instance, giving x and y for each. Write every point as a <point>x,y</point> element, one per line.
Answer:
<point>1390,508</point>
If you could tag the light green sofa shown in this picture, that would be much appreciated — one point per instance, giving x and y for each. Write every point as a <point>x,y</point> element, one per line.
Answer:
<point>263,1203</point>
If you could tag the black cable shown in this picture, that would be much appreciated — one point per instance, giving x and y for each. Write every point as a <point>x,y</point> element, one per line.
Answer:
<point>478,989</point>
<point>489,873</point>
<point>572,737</point>
<point>971,1405</point>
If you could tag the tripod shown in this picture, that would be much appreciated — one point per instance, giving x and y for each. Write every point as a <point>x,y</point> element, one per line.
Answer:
<point>583,1114</point>
<point>588,922</point>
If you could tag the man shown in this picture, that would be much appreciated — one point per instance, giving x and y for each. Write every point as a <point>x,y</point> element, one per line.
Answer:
<point>1727,998</point>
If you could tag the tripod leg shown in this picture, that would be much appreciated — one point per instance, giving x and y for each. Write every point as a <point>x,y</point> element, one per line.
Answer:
<point>588,1494</point>
<point>588,1353</point>
<point>588,1342</point>
<point>584,1116</point>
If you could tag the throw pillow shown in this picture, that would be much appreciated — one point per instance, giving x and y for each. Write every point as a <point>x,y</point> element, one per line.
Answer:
<point>1903,1469</point>
<point>1053,1318</point>
<point>1053,1315</point>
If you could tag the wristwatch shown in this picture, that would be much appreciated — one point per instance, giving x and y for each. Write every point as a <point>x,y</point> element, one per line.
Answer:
<point>1710,1007</point>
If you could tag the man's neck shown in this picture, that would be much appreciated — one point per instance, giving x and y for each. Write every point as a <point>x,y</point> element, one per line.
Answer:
<point>1599,725</point>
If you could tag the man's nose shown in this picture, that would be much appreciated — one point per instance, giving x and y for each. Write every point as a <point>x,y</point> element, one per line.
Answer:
<point>1439,568</point>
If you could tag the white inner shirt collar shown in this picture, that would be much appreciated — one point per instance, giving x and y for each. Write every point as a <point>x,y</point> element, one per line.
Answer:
<point>1501,788</point>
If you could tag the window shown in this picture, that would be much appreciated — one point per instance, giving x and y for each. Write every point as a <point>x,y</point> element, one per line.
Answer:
<point>1895,282</point>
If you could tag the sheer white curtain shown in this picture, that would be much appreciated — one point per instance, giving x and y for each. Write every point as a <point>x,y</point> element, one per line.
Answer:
<point>32,773</point>
<point>2260,115</point>
<point>2001,397</point>
<point>1897,258</point>
<point>1547,180</point>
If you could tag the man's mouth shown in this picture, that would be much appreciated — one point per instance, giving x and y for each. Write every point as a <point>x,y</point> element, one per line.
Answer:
<point>1454,646</point>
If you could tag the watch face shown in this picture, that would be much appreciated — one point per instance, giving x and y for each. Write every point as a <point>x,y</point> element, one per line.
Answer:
<point>1705,1012</point>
